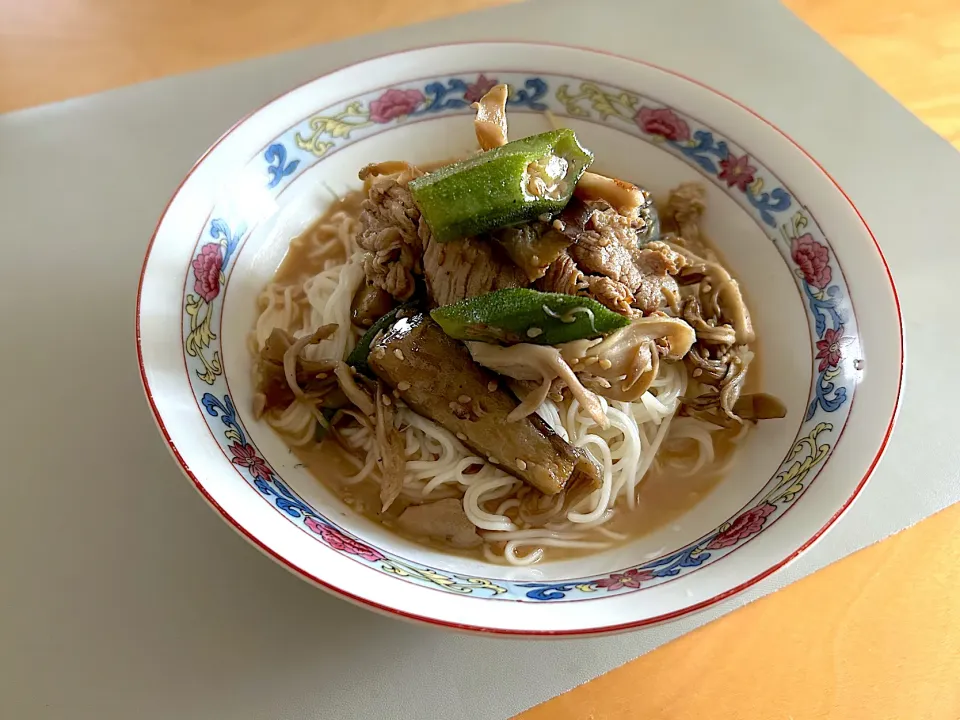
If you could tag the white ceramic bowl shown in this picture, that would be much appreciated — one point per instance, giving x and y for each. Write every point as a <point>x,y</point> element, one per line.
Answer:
<point>823,301</point>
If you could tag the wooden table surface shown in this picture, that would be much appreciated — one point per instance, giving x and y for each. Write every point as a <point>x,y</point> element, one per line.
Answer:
<point>874,636</point>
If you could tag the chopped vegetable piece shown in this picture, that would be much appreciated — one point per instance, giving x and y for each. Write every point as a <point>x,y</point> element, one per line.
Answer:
<point>324,427</point>
<point>491,122</point>
<point>441,382</point>
<point>521,315</point>
<point>358,356</point>
<point>508,185</point>
<point>531,247</point>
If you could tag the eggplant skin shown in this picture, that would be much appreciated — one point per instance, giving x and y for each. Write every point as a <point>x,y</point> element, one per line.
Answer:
<point>435,375</point>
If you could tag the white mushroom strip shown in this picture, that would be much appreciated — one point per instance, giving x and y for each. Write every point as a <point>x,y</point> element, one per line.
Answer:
<point>717,403</point>
<point>628,358</point>
<point>491,121</point>
<point>292,355</point>
<point>626,198</point>
<point>535,362</point>
<point>706,333</point>
<point>719,293</point>
<point>393,461</point>
<point>387,167</point>
<point>354,392</point>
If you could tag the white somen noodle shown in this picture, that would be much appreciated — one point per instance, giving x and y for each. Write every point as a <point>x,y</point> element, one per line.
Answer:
<point>438,464</point>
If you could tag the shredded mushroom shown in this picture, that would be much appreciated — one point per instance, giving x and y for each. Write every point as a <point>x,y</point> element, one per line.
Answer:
<point>491,121</point>
<point>535,362</point>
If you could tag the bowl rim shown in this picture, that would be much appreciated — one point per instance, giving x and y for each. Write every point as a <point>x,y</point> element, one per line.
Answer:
<point>507,632</point>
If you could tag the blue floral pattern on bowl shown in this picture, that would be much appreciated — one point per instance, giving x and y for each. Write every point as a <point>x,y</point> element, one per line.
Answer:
<point>787,224</point>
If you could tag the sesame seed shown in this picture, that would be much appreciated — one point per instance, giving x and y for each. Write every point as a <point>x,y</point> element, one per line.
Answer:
<point>398,353</point>
<point>698,372</point>
<point>322,376</point>
<point>491,386</point>
<point>461,436</point>
<point>386,400</point>
<point>605,364</point>
<point>493,460</point>
<point>463,399</point>
<point>403,386</point>
<point>534,332</point>
<point>521,464</point>
<point>558,225</point>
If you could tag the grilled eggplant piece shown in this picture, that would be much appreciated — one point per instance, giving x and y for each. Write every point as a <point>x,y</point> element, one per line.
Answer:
<point>435,375</point>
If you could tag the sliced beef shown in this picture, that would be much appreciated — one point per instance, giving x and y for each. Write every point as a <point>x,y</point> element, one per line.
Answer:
<point>400,247</point>
<point>437,378</point>
<point>393,234</point>
<point>658,265</point>
<point>468,268</point>
<point>611,293</point>
<point>563,276</point>
<point>604,247</point>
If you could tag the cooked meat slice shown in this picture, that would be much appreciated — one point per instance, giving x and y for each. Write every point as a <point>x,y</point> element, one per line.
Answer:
<point>563,276</point>
<point>393,461</point>
<point>657,264</point>
<point>435,375</point>
<point>440,520</point>
<point>604,248</point>
<point>658,258</point>
<point>467,268</point>
<point>611,293</point>
<point>392,233</point>
<point>491,121</point>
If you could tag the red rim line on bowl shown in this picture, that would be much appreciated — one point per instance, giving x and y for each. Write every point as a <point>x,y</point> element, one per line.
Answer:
<point>499,631</point>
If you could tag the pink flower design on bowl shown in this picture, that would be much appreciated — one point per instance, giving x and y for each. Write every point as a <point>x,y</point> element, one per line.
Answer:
<point>663,122</point>
<point>745,525</point>
<point>737,171</point>
<point>813,259</point>
<point>630,578</point>
<point>828,349</point>
<point>481,87</point>
<point>394,103</point>
<point>246,456</point>
<point>206,266</point>
<point>338,541</point>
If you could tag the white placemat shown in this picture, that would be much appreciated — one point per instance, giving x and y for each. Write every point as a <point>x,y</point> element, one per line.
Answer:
<point>124,597</point>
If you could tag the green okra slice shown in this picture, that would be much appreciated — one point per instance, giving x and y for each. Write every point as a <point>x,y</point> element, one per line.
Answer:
<point>521,315</point>
<point>511,184</point>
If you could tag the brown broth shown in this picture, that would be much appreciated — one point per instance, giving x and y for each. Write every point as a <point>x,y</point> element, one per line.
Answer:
<point>301,260</point>
<point>663,496</point>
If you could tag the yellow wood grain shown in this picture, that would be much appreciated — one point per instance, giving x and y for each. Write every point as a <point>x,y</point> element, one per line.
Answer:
<point>875,636</point>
